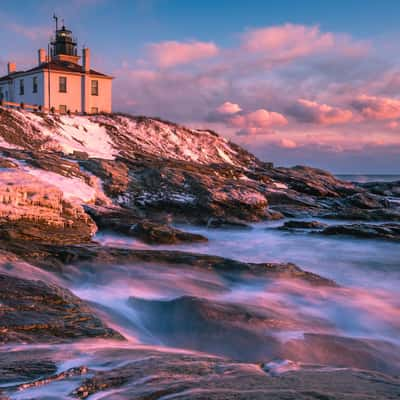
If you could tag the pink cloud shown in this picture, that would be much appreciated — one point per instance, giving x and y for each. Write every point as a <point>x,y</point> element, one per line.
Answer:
<point>228,108</point>
<point>258,122</point>
<point>287,143</point>
<point>377,108</point>
<point>288,41</point>
<point>172,53</point>
<point>323,114</point>
<point>393,124</point>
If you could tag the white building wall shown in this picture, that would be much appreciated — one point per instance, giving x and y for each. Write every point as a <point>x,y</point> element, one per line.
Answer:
<point>29,97</point>
<point>5,89</point>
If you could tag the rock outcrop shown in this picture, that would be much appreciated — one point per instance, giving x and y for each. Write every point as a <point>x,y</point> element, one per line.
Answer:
<point>33,210</point>
<point>389,231</point>
<point>35,311</point>
<point>153,233</point>
<point>161,171</point>
<point>302,225</point>
<point>56,257</point>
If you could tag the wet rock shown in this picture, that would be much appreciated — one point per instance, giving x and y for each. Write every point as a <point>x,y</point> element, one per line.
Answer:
<point>154,233</point>
<point>198,377</point>
<point>365,201</point>
<point>227,223</point>
<point>357,214</point>
<point>34,311</point>
<point>25,366</point>
<point>347,352</point>
<point>390,231</point>
<point>239,331</point>
<point>56,257</point>
<point>290,225</point>
<point>383,188</point>
<point>273,215</point>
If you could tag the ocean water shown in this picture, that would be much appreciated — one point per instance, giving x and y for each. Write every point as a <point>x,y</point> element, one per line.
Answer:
<point>361,178</point>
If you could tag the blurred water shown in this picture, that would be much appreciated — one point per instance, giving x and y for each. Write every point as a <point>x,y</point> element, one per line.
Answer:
<point>351,262</point>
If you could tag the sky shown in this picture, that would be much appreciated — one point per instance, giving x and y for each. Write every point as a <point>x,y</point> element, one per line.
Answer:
<point>306,82</point>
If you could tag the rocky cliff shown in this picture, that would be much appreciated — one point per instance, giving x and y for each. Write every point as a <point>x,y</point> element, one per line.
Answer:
<point>124,169</point>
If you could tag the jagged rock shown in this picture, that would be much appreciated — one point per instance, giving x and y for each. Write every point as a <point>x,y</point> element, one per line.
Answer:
<point>33,210</point>
<point>389,231</point>
<point>312,181</point>
<point>34,311</point>
<point>154,233</point>
<point>365,201</point>
<point>113,173</point>
<point>383,188</point>
<point>289,225</point>
<point>114,218</point>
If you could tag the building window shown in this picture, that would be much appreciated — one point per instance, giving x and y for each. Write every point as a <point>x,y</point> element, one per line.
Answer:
<point>95,88</point>
<point>21,87</point>
<point>62,84</point>
<point>94,110</point>
<point>34,84</point>
<point>63,109</point>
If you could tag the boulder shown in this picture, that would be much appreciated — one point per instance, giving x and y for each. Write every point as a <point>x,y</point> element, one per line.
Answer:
<point>227,223</point>
<point>389,231</point>
<point>302,225</point>
<point>154,233</point>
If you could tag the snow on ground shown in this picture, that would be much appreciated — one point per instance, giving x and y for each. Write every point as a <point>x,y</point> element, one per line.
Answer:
<point>89,134</point>
<point>171,141</point>
<point>73,188</point>
<point>77,133</point>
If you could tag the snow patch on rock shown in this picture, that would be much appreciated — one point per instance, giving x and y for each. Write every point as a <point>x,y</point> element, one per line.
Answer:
<point>74,189</point>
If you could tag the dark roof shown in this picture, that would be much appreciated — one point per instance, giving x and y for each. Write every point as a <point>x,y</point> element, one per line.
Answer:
<point>10,76</point>
<point>56,65</point>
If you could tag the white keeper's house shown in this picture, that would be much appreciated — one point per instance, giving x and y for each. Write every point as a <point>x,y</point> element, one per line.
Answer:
<point>59,81</point>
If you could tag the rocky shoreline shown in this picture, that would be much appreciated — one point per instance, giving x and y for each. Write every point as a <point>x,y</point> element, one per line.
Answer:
<point>137,179</point>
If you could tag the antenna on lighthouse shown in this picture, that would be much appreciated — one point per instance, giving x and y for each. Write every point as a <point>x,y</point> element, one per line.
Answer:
<point>56,19</point>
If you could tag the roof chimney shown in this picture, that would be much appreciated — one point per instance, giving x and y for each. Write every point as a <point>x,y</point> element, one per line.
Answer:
<point>42,56</point>
<point>11,67</point>
<point>86,59</point>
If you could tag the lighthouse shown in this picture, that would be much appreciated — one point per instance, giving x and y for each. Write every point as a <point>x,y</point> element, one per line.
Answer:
<point>62,79</point>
